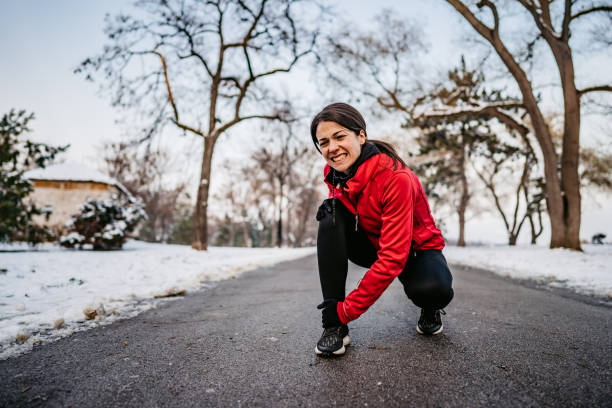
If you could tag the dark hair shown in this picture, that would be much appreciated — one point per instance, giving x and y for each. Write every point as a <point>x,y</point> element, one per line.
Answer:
<point>350,118</point>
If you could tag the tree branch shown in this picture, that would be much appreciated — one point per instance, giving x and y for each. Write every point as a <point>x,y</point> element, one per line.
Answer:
<point>541,19</point>
<point>599,88</point>
<point>567,17</point>
<point>236,120</point>
<point>545,7</point>
<point>490,109</point>
<point>480,27</point>
<point>171,98</point>
<point>591,10</point>
<point>193,53</point>
<point>491,187</point>
<point>253,78</point>
<point>502,51</point>
<point>233,80</point>
<point>516,231</point>
<point>491,6</point>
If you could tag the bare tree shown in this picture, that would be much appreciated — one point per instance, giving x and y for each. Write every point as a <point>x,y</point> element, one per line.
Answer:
<point>239,197</point>
<point>279,161</point>
<point>277,166</point>
<point>470,135</point>
<point>450,142</point>
<point>203,67</point>
<point>144,172</point>
<point>381,59</point>
<point>274,194</point>
<point>497,168</point>
<point>562,190</point>
<point>383,63</point>
<point>445,150</point>
<point>306,191</point>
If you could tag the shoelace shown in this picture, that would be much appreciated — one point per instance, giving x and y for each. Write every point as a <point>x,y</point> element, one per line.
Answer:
<point>330,336</point>
<point>331,331</point>
<point>430,315</point>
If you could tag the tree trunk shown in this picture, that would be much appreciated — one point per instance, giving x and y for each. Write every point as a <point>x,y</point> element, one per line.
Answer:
<point>279,229</point>
<point>534,233</point>
<point>532,229</point>
<point>554,202</point>
<point>570,180</point>
<point>199,239</point>
<point>271,235</point>
<point>245,233</point>
<point>465,197</point>
<point>512,239</point>
<point>231,240</point>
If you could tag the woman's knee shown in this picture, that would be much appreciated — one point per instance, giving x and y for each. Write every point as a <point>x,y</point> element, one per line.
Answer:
<point>428,282</point>
<point>434,297</point>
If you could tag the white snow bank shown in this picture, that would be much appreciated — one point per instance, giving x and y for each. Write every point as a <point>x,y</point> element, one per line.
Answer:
<point>40,288</point>
<point>588,272</point>
<point>70,172</point>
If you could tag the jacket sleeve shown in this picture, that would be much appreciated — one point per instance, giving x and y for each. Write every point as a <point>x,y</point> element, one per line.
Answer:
<point>395,238</point>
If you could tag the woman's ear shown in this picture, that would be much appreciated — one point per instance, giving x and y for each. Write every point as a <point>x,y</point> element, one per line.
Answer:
<point>362,137</point>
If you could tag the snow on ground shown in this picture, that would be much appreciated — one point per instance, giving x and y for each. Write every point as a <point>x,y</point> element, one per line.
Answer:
<point>50,292</point>
<point>588,272</point>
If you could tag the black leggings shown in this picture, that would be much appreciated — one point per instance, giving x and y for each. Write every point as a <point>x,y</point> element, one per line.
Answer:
<point>426,278</point>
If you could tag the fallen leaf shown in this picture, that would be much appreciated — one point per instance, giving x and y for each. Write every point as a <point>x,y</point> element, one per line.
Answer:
<point>171,293</point>
<point>90,313</point>
<point>378,348</point>
<point>21,337</point>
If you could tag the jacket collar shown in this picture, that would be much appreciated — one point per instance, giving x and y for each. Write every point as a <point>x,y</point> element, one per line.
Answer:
<point>360,172</point>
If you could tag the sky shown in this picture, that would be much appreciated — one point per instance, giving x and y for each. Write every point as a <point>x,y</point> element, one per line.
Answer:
<point>42,42</point>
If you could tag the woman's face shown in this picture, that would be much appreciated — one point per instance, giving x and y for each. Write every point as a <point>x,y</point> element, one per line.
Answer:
<point>340,146</point>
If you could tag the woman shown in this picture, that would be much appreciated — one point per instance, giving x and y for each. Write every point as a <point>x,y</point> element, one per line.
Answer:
<point>377,217</point>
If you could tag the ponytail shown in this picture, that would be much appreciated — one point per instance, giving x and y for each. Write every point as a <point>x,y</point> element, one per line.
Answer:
<point>389,150</point>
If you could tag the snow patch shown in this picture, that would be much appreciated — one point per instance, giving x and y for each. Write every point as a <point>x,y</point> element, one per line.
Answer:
<point>73,172</point>
<point>49,292</point>
<point>585,272</point>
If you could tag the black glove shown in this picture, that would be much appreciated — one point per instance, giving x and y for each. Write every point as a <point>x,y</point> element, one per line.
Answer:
<point>330,313</point>
<point>325,207</point>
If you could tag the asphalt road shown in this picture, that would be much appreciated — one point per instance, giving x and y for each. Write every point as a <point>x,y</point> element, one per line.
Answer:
<point>250,341</point>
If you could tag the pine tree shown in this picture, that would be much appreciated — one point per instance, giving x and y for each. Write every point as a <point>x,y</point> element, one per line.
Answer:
<point>17,156</point>
<point>450,141</point>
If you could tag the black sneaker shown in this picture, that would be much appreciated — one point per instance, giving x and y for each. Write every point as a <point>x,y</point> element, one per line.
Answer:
<point>333,341</point>
<point>430,322</point>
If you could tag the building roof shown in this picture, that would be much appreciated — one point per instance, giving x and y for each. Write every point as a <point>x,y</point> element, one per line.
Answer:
<point>74,172</point>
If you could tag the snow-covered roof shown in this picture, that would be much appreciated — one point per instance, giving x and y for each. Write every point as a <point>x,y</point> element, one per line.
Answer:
<point>73,172</point>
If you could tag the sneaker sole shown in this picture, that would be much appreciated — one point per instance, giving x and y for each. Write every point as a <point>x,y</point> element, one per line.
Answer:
<point>418,329</point>
<point>346,341</point>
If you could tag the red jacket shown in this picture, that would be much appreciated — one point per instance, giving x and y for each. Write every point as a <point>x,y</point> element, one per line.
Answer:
<point>393,211</point>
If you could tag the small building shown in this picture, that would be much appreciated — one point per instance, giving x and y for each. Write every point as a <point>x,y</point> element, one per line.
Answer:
<point>64,187</point>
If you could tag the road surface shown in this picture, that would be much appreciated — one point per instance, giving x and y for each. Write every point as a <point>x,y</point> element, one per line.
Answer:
<point>250,342</point>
